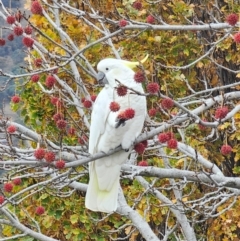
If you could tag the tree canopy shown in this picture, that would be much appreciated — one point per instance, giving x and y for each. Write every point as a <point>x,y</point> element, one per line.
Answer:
<point>180,181</point>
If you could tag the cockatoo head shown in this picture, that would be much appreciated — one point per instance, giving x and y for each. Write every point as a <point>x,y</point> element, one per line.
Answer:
<point>113,67</point>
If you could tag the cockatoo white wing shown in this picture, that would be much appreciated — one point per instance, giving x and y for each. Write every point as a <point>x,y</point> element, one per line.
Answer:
<point>99,117</point>
<point>105,135</point>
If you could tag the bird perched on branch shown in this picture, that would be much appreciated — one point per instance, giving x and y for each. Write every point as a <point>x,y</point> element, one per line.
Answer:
<point>117,120</point>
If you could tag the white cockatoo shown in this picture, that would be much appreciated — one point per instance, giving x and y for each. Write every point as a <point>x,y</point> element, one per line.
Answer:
<point>108,131</point>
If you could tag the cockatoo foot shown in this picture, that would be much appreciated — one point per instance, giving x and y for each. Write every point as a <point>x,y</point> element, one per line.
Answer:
<point>120,122</point>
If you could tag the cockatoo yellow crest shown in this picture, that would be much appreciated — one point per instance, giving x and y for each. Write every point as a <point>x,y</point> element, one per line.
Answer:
<point>107,132</point>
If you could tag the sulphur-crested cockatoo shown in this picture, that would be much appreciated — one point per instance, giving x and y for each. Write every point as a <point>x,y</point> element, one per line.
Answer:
<point>107,132</point>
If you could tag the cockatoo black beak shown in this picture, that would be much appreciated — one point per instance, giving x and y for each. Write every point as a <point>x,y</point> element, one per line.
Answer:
<point>101,78</point>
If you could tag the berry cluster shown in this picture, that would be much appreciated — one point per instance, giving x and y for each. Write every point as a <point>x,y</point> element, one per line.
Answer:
<point>35,78</point>
<point>2,199</point>
<point>143,163</point>
<point>236,38</point>
<point>137,5</point>
<point>114,106</point>
<point>122,23</point>
<point>140,147</point>
<point>8,187</point>
<point>82,139</point>
<point>152,112</point>
<point>40,210</point>
<point>153,88</point>
<point>60,164</point>
<point>49,156</point>
<point>221,112</point>
<point>232,19</point>
<point>39,153</point>
<point>18,30</point>
<point>126,114</point>
<point>50,81</point>
<point>36,8</point>
<point>226,149</point>
<point>139,76</point>
<point>55,101</point>
<point>167,103</point>
<point>11,129</point>
<point>122,90</point>
<point>15,99</point>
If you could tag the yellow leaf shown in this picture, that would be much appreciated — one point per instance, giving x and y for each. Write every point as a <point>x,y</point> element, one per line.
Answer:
<point>200,64</point>
<point>75,231</point>
<point>128,229</point>
<point>74,218</point>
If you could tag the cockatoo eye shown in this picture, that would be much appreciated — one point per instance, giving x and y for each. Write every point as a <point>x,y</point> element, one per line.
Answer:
<point>106,68</point>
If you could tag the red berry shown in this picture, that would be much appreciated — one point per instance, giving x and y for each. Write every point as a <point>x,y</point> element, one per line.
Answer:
<point>28,30</point>
<point>232,19</point>
<point>17,181</point>
<point>57,117</point>
<point>36,8</point>
<point>82,140</point>
<point>28,42</point>
<point>40,210</point>
<point>61,124</point>
<point>87,103</point>
<point>93,98</point>
<point>152,112</point>
<point>121,115</point>
<point>153,88</point>
<point>221,112</point>
<point>71,131</point>
<point>137,5</point>
<point>8,187</point>
<point>10,19</point>
<point>122,90</point>
<point>163,137</point>
<point>122,23</point>
<point>18,30</point>
<point>15,99</point>
<point>167,103</point>
<point>139,76</point>
<point>236,37</point>
<point>226,149</point>
<point>50,81</point>
<point>2,42</point>
<point>60,164</point>
<point>49,156</point>
<point>38,62</point>
<point>11,129</point>
<point>55,101</point>
<point>2,199</point>
<point>139,148</point>
<point>150,19</point>
<point>145,143</point>
<point>114,106</point>
<point>10,37</point>
<point>129,113</point>
<point>170,135</point>
<point>143,163</point>
<point>35,78</point>
<point>39,153</point>
<point>172,143</point>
